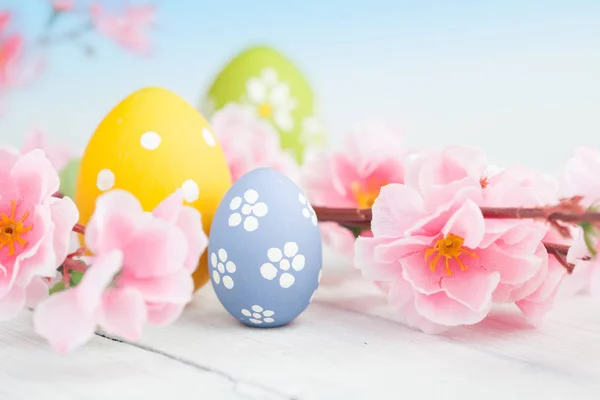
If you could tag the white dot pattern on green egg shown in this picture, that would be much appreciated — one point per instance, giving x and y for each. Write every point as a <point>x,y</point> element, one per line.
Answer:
<point>267,83</point>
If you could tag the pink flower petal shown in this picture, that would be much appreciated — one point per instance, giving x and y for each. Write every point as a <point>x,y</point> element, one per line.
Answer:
<point>447,201</point>
<point>441,309</point>
<point>512,270</point>
<point>65,215</point>
<point>123,313</point>
<point>114,222</point>
<point>35,177</point>
<point>163,313</point>
<point>190,223</point>
<point>96,279</point>
<point>370,266</point>
<point>60,320</point>
<point>169,250</point>
<point>535,312</point>
<point>512,293</point>
<point>466,222</point>
<point>36,291</point>
<point>175,288</point>
<point>472,288</point>
<point>447,166</point>
<point>395,210</point>
<point>169,208</point>
<point>12,303</point>
<point>39,258</point>
<point>418,273</point>
<point>540,302</point>
<point>392,250</point>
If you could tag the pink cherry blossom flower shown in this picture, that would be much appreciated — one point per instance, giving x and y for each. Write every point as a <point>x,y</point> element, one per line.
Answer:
<point>35,227</point>
<point>444,264</point>
<point>127,28</point>
<point>141,272</point>
<point>249,143</point>
<point>59,156</point>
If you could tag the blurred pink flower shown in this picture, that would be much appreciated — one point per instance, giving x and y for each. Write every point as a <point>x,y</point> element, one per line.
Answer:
<point>10,50</point>
<point>128,28</point>
<point>35,228</point>
<point>140,272</point>
<point>249,143</point>
<point>581,178</point>
<point>59,156</point>
<point>62,5</point>
<point>443,263</point>
<point>371,157</point>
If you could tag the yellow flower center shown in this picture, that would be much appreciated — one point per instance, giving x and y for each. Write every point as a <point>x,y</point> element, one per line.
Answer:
<point>451,248</point>
<point>265,110</point>
<point>11,229</point>
<point>365,195</point>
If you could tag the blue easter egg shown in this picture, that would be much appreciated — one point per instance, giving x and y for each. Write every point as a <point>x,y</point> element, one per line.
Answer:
<point>265,250</point>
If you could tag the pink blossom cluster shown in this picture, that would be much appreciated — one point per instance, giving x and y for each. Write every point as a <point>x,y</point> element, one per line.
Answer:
<point>141,272</point>
<point>35,229</point>
<point>445,265</point>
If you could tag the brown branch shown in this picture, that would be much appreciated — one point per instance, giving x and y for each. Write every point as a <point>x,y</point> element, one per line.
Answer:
<point>565,211</point>
<point>353,217</point>
<point>78,228</point>
<point>560,251</point>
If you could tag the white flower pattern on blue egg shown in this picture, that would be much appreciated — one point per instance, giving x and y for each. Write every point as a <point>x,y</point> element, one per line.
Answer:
<point>247,210</point>
<point>257,315</point>
<point>222,268</point>
<point>307,210</point>
<point>289,258</point>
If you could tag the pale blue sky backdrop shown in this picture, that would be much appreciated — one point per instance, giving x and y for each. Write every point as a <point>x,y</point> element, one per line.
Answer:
<point>520,78</point>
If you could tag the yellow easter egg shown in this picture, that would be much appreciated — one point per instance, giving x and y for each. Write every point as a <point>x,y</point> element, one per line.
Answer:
<point>151,144</point>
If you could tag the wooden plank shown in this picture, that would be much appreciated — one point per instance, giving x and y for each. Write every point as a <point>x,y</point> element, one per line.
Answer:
<point>349,345</point>
<point>103,369</point>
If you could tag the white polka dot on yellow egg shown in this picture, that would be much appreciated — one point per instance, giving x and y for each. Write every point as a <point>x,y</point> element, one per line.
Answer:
<point>190,190</point>
<point>208,137</point>
<point>150,140</point>
<point>105,180</point>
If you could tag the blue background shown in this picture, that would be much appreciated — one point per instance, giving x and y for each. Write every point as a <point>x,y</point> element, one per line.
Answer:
<point>519,78</point>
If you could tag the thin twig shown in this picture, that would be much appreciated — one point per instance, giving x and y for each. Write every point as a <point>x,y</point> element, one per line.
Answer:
<point>560,251</point>
<point>48,40</point>
<point>78,228</point>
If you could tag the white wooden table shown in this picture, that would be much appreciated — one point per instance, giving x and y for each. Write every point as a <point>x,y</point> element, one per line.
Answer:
<point>347,345</point>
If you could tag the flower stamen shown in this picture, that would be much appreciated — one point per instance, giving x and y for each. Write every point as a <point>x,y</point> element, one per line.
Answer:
<point>11,229</point>
<point>365,195</point>
<point>451,248</point>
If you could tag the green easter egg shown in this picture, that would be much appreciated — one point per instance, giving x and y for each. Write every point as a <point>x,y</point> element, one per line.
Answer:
<point>266,82</point>
<point>68,178</point>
